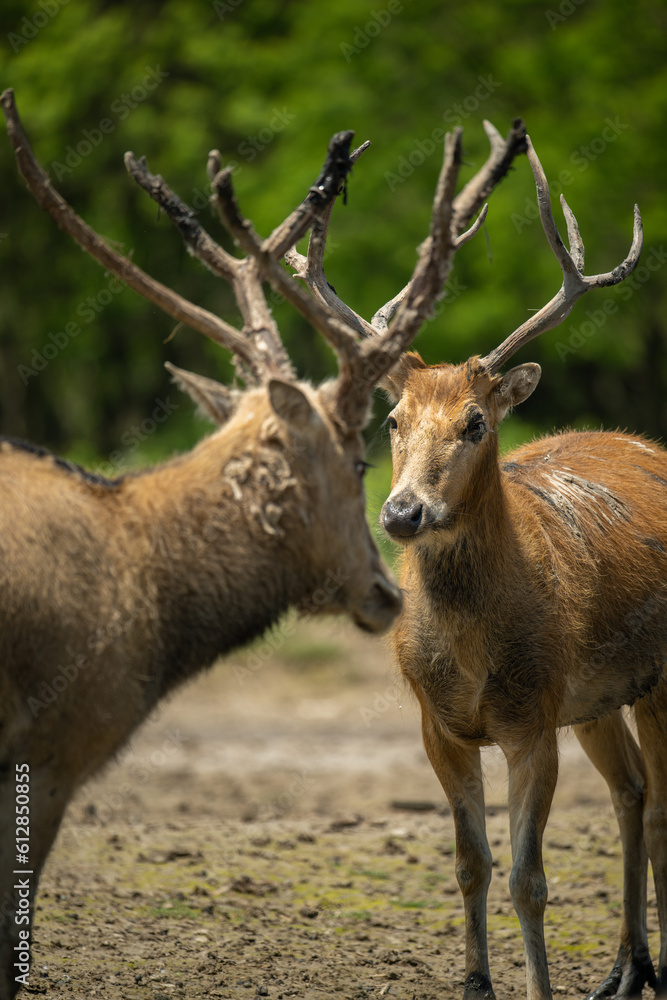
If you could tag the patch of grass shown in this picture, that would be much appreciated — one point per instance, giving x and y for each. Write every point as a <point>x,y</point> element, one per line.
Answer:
<point>300,651</point>
<point>177,910</point>
<point>353,916</point>
<point>416,904</point>
<point>64,918</point>
<point>434,879</point>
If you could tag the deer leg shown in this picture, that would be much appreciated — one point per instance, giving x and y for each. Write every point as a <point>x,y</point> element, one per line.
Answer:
<point>18,879</point>
<point>532,780</point>
<point>612,749</point>
<point>651,716</point>
<point>459,771</point>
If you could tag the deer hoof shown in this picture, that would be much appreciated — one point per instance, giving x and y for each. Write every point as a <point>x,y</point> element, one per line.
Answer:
<point>626,980</point>
<point>478,987</point>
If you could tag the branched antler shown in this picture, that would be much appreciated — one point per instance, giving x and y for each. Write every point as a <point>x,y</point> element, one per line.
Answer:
<point>257,347</point>
<point>124,269</point>
<point>575,282</point>
<point>259,327</point>
<point>366,350</point>
<point>398,321</point>
<point>463,207</point>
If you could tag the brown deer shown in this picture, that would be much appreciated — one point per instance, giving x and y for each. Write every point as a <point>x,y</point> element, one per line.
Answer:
<point>113,592</point>
<point>535,598</point>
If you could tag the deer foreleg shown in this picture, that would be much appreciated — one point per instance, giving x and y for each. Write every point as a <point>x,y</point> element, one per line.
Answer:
<point>532,780</point>
<point>460,774</point>
<point>613,750</point>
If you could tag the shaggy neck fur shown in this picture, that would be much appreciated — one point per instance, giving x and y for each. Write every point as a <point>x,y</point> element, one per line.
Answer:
<point>225,554</point>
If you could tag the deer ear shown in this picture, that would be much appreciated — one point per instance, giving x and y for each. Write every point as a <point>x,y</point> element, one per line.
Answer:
<point>394,381</point>
<point>214,400</point>
<point>518,384</point>
<point>292,405</point>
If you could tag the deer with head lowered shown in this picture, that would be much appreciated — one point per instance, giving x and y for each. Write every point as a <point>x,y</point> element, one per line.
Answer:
<point>535,598</point>
<point>113,592</point>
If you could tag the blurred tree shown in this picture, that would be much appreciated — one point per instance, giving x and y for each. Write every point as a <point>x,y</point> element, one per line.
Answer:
<point>267,82</point>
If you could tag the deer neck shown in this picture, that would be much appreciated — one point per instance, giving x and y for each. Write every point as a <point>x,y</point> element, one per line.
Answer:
<point>461,569</point>
<point>219,556</point>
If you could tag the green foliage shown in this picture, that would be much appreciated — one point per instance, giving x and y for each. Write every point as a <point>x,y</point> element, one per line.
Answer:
<point>268,82</point>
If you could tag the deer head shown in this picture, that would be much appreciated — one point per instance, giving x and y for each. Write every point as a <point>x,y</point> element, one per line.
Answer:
<point>315,430</point>
<point>443,426</point>
<point>320,426</point>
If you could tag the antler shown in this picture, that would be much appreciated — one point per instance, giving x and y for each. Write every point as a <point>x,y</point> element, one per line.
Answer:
<point>396,323</point>
<point>366,350</point>
<point>575,283</point>
<point>257,347</point>
<point>362,362</point>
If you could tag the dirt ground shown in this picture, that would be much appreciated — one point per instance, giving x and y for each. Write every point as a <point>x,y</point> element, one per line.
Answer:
<point>276,830</point>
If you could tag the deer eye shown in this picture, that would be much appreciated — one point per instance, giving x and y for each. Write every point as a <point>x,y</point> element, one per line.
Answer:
<point>393,424</point>
<point>475,428</point>
<point>360,468</point>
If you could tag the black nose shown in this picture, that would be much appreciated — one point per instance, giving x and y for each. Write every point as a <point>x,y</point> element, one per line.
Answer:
<point>402,516</point>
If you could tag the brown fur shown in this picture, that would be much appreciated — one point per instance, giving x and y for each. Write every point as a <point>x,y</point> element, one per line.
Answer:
<point>114,592</point>
<point>536,597</point>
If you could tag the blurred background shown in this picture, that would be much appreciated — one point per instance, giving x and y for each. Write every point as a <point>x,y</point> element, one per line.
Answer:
<point>267,82</point>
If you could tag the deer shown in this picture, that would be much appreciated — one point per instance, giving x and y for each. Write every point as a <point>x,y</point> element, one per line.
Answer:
<point>116,591</point>
<point>535,598</point>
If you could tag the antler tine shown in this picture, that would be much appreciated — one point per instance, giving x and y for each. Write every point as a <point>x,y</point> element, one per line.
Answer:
<point>474,229</point>
<point>386,312</point>
<point>471,198</point>
<point>575,283</point>
<point>577,252</point>
<point>443,247</point>
<point>316,245</point>
<point>66,218</point>
<point>339,334</point>
<point>436,252</point>
<point>362,363</point>
<point>258,324</point>
<point>319,201</point>
<point>197,240</point>
<point>310,268</point>
<point>396,323</point>
<point>498,163</point>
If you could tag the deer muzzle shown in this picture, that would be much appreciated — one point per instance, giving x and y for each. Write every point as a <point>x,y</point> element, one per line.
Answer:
<point>402,516</point>
<point>381,607</point>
